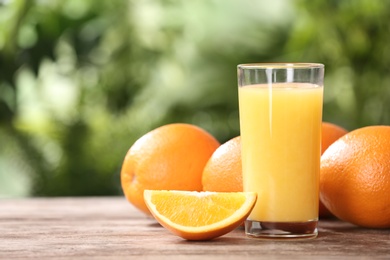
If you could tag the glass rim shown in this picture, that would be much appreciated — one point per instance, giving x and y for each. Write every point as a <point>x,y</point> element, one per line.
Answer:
<point>281,65</point>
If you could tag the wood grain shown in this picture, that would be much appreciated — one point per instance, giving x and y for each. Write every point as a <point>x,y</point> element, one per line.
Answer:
<point>110,228</point>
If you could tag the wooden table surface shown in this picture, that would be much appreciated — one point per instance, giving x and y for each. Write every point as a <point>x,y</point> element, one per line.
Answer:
<point>111,228</point>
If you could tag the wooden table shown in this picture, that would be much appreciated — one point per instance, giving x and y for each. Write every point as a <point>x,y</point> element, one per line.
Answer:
<point>110,228</point>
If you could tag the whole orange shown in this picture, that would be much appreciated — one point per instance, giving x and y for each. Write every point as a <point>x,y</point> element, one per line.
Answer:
<point>330,133</point>
<point>223,171</point>
<point>171,157</point>
<point>355,177</point>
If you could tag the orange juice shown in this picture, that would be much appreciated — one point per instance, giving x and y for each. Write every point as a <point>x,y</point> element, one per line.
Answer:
<point>280,138</point>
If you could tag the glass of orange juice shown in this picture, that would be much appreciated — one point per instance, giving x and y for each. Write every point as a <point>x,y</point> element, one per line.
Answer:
<point>280,107</point>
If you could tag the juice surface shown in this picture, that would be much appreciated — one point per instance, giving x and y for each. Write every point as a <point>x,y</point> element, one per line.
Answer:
<point>280,138</point>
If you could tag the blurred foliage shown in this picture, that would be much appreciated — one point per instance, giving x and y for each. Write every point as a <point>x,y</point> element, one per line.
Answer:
<point>80,81</point>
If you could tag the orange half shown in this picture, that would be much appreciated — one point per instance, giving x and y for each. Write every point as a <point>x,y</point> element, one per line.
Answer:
<point>196,215</point>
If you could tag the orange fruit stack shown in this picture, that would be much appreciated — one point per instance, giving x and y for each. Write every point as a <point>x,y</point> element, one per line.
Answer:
<point>171,157</point>
<point>355,177</point>
<point>199,215</point>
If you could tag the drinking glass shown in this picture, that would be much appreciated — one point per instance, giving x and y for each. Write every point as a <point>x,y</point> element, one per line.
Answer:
<point>280,109</point>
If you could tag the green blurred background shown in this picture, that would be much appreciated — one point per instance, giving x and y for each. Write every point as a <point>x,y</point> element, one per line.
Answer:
<point>81,80</point>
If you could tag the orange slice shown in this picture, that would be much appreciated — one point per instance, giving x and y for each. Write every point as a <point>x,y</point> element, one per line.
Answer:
<point>196,215</point>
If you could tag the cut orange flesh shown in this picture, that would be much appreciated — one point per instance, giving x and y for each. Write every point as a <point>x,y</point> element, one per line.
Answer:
<point>199,215</point>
